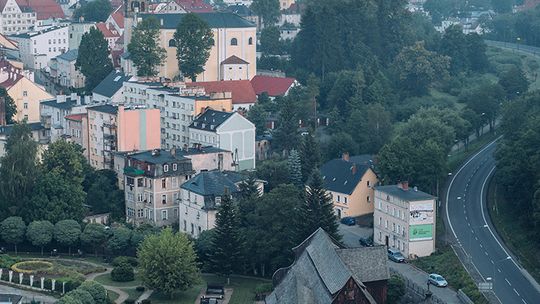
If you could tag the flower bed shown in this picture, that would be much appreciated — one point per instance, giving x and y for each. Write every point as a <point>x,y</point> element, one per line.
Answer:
<point>32,267</point>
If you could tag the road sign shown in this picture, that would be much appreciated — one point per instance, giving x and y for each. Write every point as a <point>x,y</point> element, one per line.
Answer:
<point>485,286</point>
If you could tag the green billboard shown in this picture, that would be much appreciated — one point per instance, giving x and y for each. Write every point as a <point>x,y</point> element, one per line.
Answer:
<point>420,232</point>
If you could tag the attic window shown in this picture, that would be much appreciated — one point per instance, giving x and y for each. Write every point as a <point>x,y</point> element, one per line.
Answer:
<point>334,179</point>
<point>345,183</point>
<point>117,78</point>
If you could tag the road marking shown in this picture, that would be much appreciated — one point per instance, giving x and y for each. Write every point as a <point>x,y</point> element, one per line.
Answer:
<point>484,215</point>
<point>507,281</point>
<point>492,262</point>
<point>516,292</point>
<point>454,177</point>
<point>499,270</point>
<point>523,301</point>
<point>476,238</point>
<point>486,253</point>
<point>481,246</point>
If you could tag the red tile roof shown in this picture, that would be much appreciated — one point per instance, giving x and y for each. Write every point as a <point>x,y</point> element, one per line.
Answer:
<point>195,6</point>
<point>108,30</point>
<point>44,9</point>
<point>234,60</point>
<point>11,75</point>
<point>118,16</point>
<point>76,117</point>
<point>274,86</point>
<point>241,90</point>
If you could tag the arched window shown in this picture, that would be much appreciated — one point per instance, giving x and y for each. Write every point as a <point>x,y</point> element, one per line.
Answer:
<point>172,43</point>
<point>234,41</point>
<point>250,40</point>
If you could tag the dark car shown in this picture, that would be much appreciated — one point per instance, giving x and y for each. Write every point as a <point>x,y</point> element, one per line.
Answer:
<point>366,242</point>
<point>395,256</point>
<point>349,221</point>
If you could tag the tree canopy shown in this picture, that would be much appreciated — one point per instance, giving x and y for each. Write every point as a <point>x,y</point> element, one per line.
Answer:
<point>144,48</point>
<point>93,58</point>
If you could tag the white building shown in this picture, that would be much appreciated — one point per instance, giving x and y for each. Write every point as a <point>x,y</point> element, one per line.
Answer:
<point>229,131</point>
<point>404,219</point>
<point>53,114</point>
<point>202,195</point>
<point>67,75</point>
<point>76,31</point>
<point>14,18</point>
<point>38,48</point>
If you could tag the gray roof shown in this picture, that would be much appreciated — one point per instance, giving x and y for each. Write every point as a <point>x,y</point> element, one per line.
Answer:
<point>317,274</point>
<point>214,183</point>
<point>241,10</point>
<point>214,20</point>
<point>210,120</point>
<point>106,108</point>
<point>66,105</point>
<point>111,84</point>
<point>367,264</point>
<point>406,195</point>
<point>34,126</point>
<point>202,150</point>
<point>163,157</point>
<point>70,55</point>
<point>33,34</point>
<point>341,176</point>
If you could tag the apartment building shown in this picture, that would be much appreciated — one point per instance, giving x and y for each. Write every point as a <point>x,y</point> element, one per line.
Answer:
<point>15,18</point>
<point>177,104</point>
<point>37,48</point>
<point>77,125</point>
<point>118,128</point>
<point>228,131</point>
<point>76,31</point>
<point>152,186</point>
<point>66,74</point>
<point>202,195</point>
<point>404,219</point>
<point>53,114</point>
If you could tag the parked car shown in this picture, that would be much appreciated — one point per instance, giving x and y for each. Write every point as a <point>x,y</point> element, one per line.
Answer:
<point>349,221</point>
<point>366,242</point>
<point>437,280</point>
<point>395,256</point>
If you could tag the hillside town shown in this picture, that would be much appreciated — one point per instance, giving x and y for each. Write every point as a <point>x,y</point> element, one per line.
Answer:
<point>269,151</point>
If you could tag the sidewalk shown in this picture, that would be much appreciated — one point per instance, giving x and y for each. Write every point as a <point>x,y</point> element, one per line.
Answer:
<point>419,278</point>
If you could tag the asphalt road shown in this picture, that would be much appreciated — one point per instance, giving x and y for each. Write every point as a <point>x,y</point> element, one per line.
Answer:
<point>467,214</point>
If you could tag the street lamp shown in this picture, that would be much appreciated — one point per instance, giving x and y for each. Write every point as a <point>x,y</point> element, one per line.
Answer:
<point>497,262</point>
<point>470,238</point>
<point>518,40</point>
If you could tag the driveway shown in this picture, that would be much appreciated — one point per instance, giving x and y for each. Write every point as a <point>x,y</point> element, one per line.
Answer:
<point>351,234</point>
<point>28,296</point>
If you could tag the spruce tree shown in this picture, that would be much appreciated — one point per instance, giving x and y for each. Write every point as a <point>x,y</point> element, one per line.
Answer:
<point>226,257</point>
<point>295,168</point>
<point>317,211</point>
<point>310,156</point>
<point>286,136</point>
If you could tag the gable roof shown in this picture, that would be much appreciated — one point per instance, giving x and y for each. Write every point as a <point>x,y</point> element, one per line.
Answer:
<point>343,176</point>
<point>111,84</point>
<point>241,90</point>
<point>118,17</point>
<point>214,183</point>
<point>210,120</point>
<point>162,157</point>
<point>195,6</point>
<point>234,60</point>
<point>44,9</point>
<point>274,86</point>
<point>70,55</point>
<point>317,274</point>
<point>214,20</point>
<point>108,30</point>
<point>106,108</point>
<point>375,270</point>
<point>68,104</point>
<point>34,126</point>
<point>406,195</point>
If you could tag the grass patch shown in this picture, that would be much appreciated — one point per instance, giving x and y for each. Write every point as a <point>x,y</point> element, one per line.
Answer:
<point>185,297</point>
<point>456,158</point>
<point>518,238</point>
<point>112,295</point>
<point>445,262</point>
<point>501,59</point>
<point>105,279</point>
<point>133,293</point>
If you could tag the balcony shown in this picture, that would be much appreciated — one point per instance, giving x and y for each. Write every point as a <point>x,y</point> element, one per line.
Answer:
<point>109,125</point>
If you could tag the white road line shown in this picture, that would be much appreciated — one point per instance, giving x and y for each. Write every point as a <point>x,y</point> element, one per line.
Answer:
<point>523,301</point>
<point>454,177</point>
<point>481,246</point>
<point>499,270</point>
<point>507,281</point>
<point>475,238</point>
<point>484,215</point>
<point>492,262</point>
<point>516,292</point>
<point>486,253</point>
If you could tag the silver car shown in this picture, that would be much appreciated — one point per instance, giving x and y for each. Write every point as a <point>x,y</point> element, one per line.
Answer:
<point>437,280</point>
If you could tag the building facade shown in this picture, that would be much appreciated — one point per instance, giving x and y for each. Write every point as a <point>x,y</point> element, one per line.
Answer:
<point>228,131</point>
<point>152,186</point>
<point>118,128</point>
<point>38,48</point>
<point>404,219</point>
<point>76,31</point>
<point>53,114</point>
<point>67,75</point>
<point>77,127</point>
<point>15,19</point>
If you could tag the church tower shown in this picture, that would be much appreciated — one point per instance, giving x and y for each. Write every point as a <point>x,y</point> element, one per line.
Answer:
<point>131,9</point>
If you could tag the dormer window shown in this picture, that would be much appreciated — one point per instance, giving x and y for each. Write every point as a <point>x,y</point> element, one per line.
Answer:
<point>165,168</point>
<point>174,167</point>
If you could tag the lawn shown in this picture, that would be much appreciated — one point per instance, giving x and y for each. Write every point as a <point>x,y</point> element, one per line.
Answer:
<point>243,291</point>
<point>132,293</point>
<point>445,262</point>
<point>105,279</point>
<point>112,295</point>
<point>503,215</point>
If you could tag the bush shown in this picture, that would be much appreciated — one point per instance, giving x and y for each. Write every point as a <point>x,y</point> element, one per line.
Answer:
<point>139,288</point>
<point>123,273</point>
<point>396,289</point>
<point>32,266</point>
<point>125,260</point>
<point>7,261</point>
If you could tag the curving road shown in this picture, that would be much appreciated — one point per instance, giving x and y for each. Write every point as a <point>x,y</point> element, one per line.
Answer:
<point>468,218</point>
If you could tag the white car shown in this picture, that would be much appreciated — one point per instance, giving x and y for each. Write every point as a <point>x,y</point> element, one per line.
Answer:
<point>437,280</point>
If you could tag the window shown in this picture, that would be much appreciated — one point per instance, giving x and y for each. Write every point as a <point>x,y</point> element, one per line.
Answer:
<point>345,200</point>
<point>380,220</point>
<point>250,40</point>
<point>185,225</point>
<point>164,199</point>
<point>174,167</point>
<point>164,215</point>
<point>394,227</point>
<point>368,183</point>
<point>25,93</point>
<point>192,228</point>
<point>172,43</point>
<point>165,168</point>
<point>164,183</point>
<point>234,41</point>
<point>26,105</point>
<point>368,199</point>
<point>386,224</point>
<point>175,213</point>
<point>338,198</point>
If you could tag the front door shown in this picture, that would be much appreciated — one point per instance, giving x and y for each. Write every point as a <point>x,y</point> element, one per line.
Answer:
<point>386,240</point>
<point>338,213</point>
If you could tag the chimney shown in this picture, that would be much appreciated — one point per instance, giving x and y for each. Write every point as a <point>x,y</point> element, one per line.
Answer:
<point>403,185</point>
<point>345,156</point>
<point>61,98</point>
<point>353,169</point>
<point>173,152</point>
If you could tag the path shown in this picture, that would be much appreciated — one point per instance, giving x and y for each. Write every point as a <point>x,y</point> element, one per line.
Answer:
<point>122,295</point>
<point>27,295</point>
<point>146,294</point>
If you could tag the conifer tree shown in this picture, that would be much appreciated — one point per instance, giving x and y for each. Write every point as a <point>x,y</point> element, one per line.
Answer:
<point>93,58</point>
<point>310,156</point>
<point>317,211</point>
<point>226,257</point>
<point>295,168</point>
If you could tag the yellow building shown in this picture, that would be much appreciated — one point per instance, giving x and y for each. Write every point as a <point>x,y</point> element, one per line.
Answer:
<point>234,46</point>
<point>285,4</point>
<point>350,181</point>
<point>26,94</point>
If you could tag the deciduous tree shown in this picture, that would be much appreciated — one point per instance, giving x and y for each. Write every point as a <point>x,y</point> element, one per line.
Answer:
<point>12,230</point>
<point>40,233</point>
<point>94,235</point>
<point>144,48</point>
<point>96,290</point>
<point>97,10</point>
<point>93,58</point>
<point>67,232</point>
<point>267,10</point>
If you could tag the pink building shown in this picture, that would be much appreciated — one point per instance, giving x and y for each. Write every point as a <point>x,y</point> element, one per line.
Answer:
<point>118,129</point>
